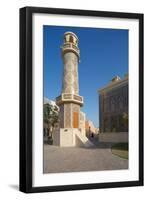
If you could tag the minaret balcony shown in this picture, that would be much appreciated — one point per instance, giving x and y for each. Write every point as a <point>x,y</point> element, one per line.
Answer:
<point>70,47</point>
<point>69,98</point>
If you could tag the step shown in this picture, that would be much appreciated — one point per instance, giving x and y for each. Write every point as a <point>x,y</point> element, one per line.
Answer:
<point>84,140</point>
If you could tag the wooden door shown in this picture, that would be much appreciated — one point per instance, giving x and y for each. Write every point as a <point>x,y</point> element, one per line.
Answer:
<point>75,120</point>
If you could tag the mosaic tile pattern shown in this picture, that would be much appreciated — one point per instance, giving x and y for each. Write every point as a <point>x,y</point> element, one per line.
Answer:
<point>70,77</point>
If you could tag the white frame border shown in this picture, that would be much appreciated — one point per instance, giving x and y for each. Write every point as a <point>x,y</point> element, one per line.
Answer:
<point>132,174</point>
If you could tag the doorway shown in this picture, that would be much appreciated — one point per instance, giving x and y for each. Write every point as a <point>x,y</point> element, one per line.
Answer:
<point>75,120</point>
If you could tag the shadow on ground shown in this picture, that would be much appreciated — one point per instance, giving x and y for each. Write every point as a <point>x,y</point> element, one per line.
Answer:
<point>14,187</point>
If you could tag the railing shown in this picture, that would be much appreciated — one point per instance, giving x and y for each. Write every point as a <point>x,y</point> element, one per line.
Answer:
<point>75,47</point>
<point>70,98</point>
<point>79,98</point>
<point>71,46</point>
<point>67,96</point>
<point>67,46</point>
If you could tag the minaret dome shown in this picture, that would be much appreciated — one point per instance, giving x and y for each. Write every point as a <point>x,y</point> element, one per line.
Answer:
<point>70,44</point>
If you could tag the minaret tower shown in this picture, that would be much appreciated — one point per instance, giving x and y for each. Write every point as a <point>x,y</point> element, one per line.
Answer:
<point>69,101</point>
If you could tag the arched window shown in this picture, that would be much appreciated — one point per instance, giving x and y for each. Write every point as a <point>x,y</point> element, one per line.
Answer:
<point>71,39</point>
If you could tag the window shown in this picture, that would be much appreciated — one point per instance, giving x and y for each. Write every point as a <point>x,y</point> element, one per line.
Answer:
<point>71,39</point>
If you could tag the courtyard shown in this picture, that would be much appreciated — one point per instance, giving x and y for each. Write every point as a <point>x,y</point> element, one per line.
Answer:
<point>75,159</point>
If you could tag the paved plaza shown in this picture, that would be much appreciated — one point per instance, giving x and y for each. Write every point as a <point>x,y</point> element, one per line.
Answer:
<point>76,159</point>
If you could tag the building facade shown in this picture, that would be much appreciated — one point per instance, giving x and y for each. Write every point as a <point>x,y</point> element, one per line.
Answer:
<point>113,106</point>
<point>90,128</point>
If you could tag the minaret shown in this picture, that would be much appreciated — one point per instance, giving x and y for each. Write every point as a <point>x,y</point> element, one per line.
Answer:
<point>71,131</point>
<point>69,101</point>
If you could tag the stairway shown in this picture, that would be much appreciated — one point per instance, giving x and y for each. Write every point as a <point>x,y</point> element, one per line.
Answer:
<point>82,140</point>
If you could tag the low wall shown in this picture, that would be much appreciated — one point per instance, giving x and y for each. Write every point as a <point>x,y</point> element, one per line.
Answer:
<point>114,137</point>
<point>64,137</point>
<point>68,137</point>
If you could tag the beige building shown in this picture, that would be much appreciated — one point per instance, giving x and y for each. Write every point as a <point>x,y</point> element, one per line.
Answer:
<point>82,122</point>
<point>113,106</point>
<point>90,128</point>
<point>113,111</point>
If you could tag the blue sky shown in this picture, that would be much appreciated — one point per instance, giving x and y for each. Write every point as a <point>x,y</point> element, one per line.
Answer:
<point>103,54</point>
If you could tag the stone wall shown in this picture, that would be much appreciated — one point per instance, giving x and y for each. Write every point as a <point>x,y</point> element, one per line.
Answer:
<point>82,122</point>
<point>113,106</point>
<point>61,114</point>
<point>66,114</point>
<point>121,137</point>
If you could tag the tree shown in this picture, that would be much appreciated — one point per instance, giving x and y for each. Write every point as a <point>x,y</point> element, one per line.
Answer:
<point>50,116</point>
